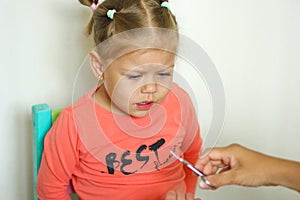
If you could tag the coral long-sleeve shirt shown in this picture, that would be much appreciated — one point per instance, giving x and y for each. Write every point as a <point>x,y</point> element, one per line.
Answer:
<point>109,156</point>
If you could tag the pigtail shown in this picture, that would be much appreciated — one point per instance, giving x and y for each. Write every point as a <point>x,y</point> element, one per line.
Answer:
<point>89,28</point>
<point>99,23</point>
<point>164,16</point>
<point>111,17</point>
<point>104,26</point>
<point>86,2</point>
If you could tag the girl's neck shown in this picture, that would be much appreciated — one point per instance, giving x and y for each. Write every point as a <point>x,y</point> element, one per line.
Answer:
<point>103,99</point>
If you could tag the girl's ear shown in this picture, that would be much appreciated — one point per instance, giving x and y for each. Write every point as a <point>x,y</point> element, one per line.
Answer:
<point>96,64</point>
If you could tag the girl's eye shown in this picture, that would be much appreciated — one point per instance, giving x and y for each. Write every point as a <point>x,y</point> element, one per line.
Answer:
<point>133,76</point>
<point>164,74</point>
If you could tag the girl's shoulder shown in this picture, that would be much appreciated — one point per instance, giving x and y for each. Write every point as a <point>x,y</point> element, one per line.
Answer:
<point>178,90</point>
<point>84,101</point>
<point>180,95</point>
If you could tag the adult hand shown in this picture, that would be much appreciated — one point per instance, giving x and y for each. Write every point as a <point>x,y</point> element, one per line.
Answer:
<point>179,195</point>
<point>237,165</point>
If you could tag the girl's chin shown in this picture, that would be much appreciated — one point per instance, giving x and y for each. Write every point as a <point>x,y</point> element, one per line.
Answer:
<point>139,114</point>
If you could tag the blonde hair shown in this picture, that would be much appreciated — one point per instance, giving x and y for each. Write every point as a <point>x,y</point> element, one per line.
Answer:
<point>130,14</point>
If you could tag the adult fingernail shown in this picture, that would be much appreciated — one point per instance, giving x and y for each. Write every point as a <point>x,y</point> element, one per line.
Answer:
<point>202,184</point>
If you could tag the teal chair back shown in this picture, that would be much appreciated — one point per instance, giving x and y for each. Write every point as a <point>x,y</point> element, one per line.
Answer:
<point>42,119</point>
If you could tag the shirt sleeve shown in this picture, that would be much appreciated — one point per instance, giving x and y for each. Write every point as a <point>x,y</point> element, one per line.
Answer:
<point>191,155</point>
<point>59,159</point>
<point>192,142</point>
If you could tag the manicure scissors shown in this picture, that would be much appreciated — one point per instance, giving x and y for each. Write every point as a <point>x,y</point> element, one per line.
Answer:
<point>194,169</point>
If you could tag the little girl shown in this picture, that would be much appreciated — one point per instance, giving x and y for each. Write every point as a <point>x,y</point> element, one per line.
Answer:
<point>115,141</point>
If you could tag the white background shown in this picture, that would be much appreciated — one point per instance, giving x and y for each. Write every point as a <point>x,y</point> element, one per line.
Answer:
<point>254,44</point>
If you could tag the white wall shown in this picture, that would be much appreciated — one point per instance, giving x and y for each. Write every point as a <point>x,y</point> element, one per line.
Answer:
<point>254,44</point>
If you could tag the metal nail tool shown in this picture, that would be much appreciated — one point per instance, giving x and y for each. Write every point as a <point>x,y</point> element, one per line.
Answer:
<point>194,169</point>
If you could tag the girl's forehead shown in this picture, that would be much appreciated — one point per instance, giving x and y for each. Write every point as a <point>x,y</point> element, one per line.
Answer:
<point>148,56</point>
<point>144,60</point>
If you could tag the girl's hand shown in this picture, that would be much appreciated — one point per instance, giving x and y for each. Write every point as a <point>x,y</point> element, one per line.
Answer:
<point>179,195</point>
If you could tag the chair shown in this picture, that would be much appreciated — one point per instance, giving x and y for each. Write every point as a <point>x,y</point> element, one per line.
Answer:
<point>42,119</point>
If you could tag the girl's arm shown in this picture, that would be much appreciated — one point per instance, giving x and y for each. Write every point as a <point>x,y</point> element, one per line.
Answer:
<point>192,155</point>
<point>59,159</point>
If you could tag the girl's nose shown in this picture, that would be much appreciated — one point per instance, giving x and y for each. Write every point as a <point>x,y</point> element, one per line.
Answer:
<point>149,88</point>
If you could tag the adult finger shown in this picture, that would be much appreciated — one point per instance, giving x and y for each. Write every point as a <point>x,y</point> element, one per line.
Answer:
<point>218,180</point>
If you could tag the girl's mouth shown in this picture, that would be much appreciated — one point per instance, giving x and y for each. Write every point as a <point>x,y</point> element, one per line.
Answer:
<point>145,105</point>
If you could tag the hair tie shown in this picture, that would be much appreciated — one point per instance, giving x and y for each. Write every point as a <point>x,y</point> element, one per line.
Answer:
<point>94,6</point>
<point>165,4</point>
<point>110,14</point>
